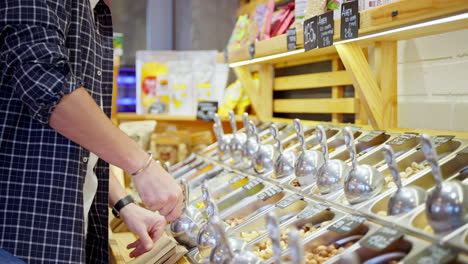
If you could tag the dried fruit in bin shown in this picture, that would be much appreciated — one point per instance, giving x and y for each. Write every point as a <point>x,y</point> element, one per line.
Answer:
<point>233,222</point>
<point>264,249</point>
<point>409,171</point>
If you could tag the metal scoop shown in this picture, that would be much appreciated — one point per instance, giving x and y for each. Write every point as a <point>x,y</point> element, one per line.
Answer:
<point>223,140</point>
<point>406,198</point>
<point>331,175</point>
<point>363,181</point>
<point>284,164</point>
<point>263,160</point>
<point>274,234</point>
<point>185,229</point>
<point>251,145</point>
<point>296,250</point>
<point>237,140</point>
<point>224,254</point>
<point>309,161</point>
<point>446,204</point>
<point>207,238</point>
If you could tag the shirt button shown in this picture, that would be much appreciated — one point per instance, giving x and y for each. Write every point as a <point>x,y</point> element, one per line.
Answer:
<point>85,159</point>
<point>99,73</point>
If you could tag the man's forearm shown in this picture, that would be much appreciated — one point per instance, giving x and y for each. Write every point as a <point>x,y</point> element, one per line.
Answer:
<point>80,119</point>
<point>116,190</point>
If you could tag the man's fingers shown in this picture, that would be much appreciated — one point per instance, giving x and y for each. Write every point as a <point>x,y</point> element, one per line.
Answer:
<point>172,200</point>
<point>133,244</point>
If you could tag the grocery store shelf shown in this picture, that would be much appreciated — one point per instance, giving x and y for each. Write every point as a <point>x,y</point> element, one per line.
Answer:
<point>166,117</point>
<point>399,20</point>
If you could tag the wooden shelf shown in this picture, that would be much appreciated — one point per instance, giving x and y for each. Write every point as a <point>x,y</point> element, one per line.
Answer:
<point>372,21</point>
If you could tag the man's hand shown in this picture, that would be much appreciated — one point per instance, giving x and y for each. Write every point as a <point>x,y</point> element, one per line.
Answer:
<point>159,191</point>
<point>149,226</point>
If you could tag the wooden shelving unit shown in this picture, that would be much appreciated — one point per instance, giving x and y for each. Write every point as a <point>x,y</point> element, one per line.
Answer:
<point>375,90</point>
<point>375,100</point>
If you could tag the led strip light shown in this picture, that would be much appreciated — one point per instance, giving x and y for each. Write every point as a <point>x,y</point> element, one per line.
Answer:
<point>391,31</point>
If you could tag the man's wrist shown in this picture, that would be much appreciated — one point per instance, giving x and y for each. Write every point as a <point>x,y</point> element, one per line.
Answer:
<point>121,204</point>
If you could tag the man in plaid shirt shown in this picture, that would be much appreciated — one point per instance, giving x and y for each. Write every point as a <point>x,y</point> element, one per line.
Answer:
<point>55,95</point>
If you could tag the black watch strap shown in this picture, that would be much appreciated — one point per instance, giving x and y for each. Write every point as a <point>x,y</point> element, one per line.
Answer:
<point>121,204</point>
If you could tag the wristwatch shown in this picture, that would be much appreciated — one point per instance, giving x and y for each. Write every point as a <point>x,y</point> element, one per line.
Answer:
<point>121,204</point>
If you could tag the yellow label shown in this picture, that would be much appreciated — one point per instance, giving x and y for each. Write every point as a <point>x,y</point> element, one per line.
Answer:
<point>204,85</point>
<point>164,99</point>
<point>240,183</point>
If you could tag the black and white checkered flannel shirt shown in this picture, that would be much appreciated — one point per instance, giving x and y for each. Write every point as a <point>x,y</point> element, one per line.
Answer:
<point>49,48</point>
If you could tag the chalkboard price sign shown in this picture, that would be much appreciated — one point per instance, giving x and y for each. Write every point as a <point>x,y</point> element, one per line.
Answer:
<point>370,136</point>
<point>440,140</point>
<point>251,184</point>
<point>349,20</point>
<point>312,211</point>
<point>289,200</point>
<point>347,224</point>
<point>382,238</point>
<point>269,193</point>
<point>310,33</point>
<point>434,254</point>
<point>291,38</point>
<point>207,110</point>
<point>237,178</point>
<point>326,29</point>
<point>402,139</point>
<point>252,51</point>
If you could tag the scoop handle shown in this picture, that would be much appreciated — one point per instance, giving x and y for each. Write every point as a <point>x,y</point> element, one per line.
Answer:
<point>349,141</point>
<point>209,202</point>
<point>389,156</point>
<point>274,233</point>
<point>297,126</point>
<point>295,247</point>
<point>222,237</point>
<point>245,121</point>
<point>322,137</point>
<point>274,133</point>
<point>217,121</point>
<point>431,157</point>
<point>253,131</point>
<point>186,192</point>
<point>232,120</point>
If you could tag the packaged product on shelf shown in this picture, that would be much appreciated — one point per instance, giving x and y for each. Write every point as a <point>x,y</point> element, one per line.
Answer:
<point>260,13</point>
<point>318,7</point>
<point>300,7</point>
<point>232,95</point>
<point>238,34</point>
<point>152,89</point>
<point>182,99</point>
<point>201,140</point>
<point>140,131</point>
<point>221,79</point>
<point>172,146</point>
<point>204,68</point>
<point>284,21</point>
<point>266,29</point>
<point>368,4</point>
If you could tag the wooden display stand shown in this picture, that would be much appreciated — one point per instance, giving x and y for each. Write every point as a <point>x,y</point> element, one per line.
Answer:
<point>376,92</point>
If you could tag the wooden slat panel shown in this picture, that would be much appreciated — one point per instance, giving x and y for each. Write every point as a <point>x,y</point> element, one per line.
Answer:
<point>337,91</point>
<point>319,106</point>
<point>313,80</point>
<point>386,61</point>
<point>364,81</point>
